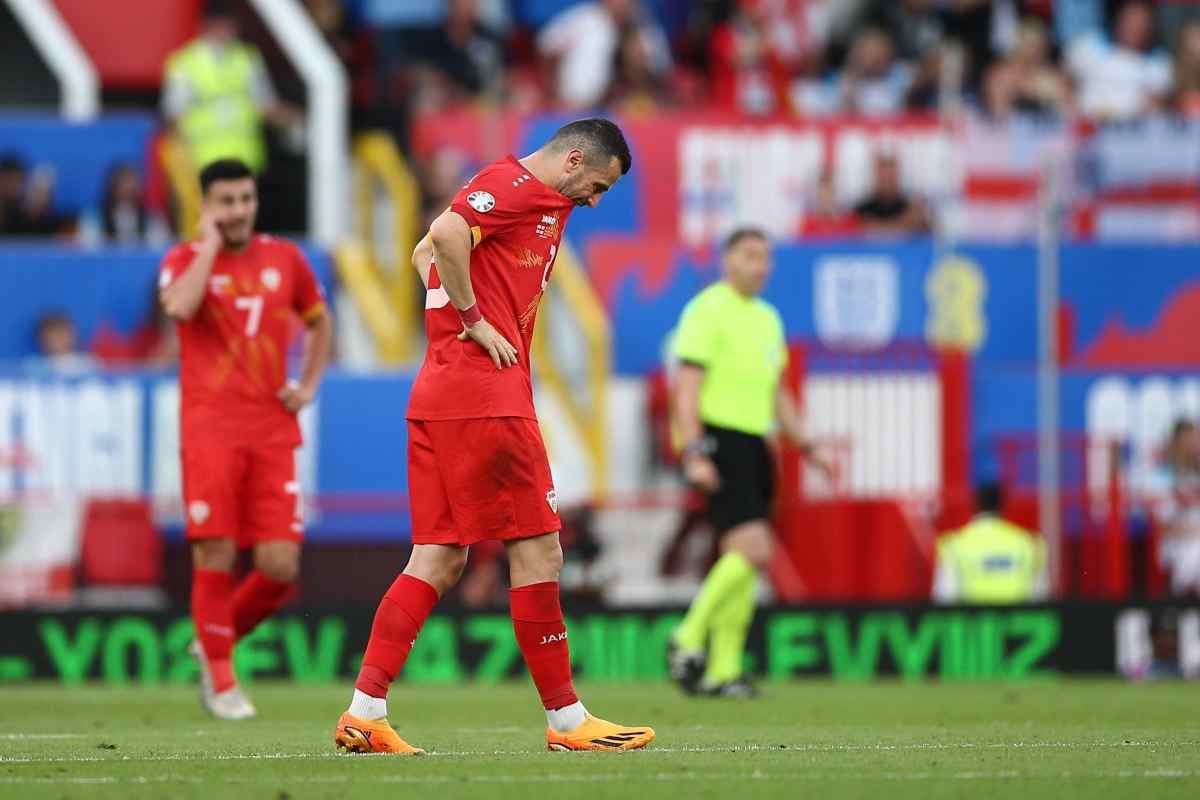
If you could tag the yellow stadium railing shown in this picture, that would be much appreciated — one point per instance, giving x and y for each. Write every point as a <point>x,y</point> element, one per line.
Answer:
<point>386,297</point>
<point>185,185</point>
<point>588,420</point>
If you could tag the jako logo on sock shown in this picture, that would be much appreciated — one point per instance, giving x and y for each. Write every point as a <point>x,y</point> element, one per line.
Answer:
<point>554,637</point>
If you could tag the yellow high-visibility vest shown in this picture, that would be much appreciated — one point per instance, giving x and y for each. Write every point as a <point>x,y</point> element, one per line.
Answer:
<point>995,560</point>
<point>223,122</point>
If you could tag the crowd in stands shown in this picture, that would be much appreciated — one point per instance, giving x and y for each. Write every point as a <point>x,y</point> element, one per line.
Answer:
<point>1109,59</point>
<point>1100,59</point>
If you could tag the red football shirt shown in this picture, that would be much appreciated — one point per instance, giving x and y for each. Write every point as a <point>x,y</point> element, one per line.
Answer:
<point>233,352</point>
<point>516,227</point>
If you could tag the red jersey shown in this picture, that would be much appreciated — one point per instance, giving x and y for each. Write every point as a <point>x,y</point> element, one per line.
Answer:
<point>233,352</point>
<point>516,226</point>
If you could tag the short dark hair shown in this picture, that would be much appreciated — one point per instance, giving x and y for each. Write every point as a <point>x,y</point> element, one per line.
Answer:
<point>596,136</point>
<point>989,498</point>
<point>223,169</point>
<point>744,232</point>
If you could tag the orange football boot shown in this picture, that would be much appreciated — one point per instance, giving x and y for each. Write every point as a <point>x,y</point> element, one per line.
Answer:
<point>599,734</point>
<point>355,735</point>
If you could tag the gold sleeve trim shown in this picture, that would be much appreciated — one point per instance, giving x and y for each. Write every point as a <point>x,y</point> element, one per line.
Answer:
<point>315,313</point>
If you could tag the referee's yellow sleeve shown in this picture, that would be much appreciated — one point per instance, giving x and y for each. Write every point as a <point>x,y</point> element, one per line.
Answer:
<point>694,338</point>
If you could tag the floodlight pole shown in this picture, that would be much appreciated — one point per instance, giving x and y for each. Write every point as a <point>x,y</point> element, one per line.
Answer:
<point>1049,441</point>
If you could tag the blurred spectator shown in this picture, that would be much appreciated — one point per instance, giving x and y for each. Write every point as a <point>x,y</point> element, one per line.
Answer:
<point>872,82</point>
<point>1186,96</point>
<point>636,87</point>
<point>1123,76</point>
<point>915,25</point>
<point>460,57</point>
<point>123,215</point>
<point>888,210</point>
<point>998,94</point>
<point>990,560</point>
<point>1175,502</point>
<point>442,176</point>
<point>25,207</point>
<point>1026,81</point>
<point>825,217</point>
<point>748,66</point>
<point>58,345</point>
<point>156,343</point>
<point>582,44</point>
<point>217,94</point>
<point>1041,87</point>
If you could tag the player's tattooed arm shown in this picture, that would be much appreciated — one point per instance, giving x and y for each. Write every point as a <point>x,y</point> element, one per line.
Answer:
<point>422,258</point>
<point>451,237</point>
<point>182,297</point>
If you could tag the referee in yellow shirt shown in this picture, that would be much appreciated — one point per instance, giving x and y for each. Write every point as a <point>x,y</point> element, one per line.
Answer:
<point>727,397</point>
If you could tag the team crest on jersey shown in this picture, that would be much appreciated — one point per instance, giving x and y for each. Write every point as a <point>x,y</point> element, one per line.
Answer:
<point>547,228</point>
<point>552,500</point>
<point>481,201</point>
<point>198,510</point>
<point>271,278</point>
<point>219,283</point>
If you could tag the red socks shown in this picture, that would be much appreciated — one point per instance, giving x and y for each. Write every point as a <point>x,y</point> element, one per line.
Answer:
<point>398,620</point>
<point>212,615</point>
<point>256,598</point>
<point>542,636</point>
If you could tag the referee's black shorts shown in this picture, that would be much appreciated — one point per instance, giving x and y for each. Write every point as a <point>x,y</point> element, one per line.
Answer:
<point>747,478</point>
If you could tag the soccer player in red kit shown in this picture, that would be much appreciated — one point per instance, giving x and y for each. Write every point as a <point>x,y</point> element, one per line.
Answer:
<point>238,300</point>
<point>477,466</point>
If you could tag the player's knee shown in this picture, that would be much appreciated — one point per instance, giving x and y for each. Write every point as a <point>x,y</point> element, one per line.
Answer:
<point>279,567</point>
<point>219,555</point>
<point>453,569</point>
<point>543,564</point>
<point>752,541</point>
<point>553,559</point>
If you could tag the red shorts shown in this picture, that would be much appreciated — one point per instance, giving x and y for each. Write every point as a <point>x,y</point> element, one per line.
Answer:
<point>471,480</point>
<point>242,492</point>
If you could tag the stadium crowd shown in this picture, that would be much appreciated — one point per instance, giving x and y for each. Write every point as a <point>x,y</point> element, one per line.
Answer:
<point>1094,59</point>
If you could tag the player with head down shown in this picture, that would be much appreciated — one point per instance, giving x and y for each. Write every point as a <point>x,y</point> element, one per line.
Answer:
<point>477,465</point>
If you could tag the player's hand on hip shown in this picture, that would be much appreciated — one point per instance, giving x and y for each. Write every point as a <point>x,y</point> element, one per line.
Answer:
<point>295,396</point>
<point>502,352</point>
<point>701,472</point>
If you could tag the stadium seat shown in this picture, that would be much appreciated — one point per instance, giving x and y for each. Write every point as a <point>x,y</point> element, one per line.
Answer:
<point>121,545</point>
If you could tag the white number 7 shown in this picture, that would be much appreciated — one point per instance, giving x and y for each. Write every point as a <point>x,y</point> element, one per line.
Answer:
<point>253,304</point>
<point>549,264</point>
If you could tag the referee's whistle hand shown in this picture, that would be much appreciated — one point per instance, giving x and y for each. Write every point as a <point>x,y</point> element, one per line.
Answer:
<point>701,472</point>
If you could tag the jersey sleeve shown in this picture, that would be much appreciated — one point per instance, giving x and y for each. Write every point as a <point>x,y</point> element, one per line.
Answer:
<point>491,203</point>
<point>173,265</point>
<point>695,338</point>
<point>308,298</point>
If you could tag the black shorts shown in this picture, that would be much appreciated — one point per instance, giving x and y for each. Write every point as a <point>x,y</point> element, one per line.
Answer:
<point>747,478</point>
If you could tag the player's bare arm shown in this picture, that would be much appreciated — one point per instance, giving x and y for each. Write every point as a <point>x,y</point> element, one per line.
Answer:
<point>698,466</point>
<point>422,258</point>
<point>318,343</point>
<point>451,238</point>
<point>791,423</point>
<point>184,295</point>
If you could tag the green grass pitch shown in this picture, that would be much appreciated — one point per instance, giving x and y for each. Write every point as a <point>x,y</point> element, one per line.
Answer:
<point>887,741</point>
